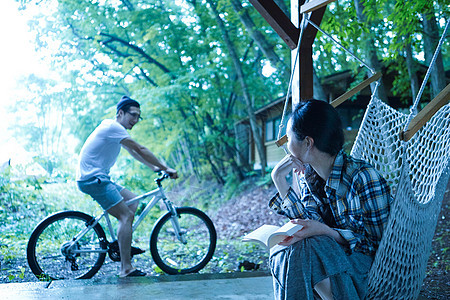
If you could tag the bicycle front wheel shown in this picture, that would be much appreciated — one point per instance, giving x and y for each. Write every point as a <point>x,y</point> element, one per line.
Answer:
<point>52,255</point>
<point>199,241</point>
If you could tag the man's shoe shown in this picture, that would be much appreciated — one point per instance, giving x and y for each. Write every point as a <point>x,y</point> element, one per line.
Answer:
<point>135,273</point>
<point>136,251</point>
<point>114,253</point>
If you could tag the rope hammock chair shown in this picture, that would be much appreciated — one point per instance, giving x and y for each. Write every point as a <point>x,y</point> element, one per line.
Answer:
<point>415,161</point>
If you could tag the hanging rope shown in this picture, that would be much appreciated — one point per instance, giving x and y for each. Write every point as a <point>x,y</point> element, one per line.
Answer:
<point>340,45</point>
<point>286,101</point>
<point>306,19</point>
<point>422,87</point>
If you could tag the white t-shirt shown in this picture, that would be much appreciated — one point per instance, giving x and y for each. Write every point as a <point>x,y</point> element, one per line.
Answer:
<point>101,149</point>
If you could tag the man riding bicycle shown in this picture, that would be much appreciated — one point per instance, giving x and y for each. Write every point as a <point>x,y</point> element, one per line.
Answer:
<point>98,155</point>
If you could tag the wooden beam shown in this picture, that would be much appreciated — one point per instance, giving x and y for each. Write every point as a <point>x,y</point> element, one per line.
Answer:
<point>281,141</point>
<point>356,89</point>
<point>278,21</point>
<point>305,67</point>
<point>310,32</point>
<point>313,5</point>
<point>426,113</point>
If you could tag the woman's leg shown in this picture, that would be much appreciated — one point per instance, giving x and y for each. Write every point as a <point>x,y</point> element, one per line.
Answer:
<point>298,268</point>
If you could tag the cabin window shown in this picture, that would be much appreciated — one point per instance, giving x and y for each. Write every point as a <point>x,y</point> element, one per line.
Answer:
<point>272,127</point>
<point>269,131</point>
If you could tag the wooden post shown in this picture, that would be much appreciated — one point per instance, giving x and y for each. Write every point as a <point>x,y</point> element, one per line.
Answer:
<point>296,20</point>
<point>302,85</point>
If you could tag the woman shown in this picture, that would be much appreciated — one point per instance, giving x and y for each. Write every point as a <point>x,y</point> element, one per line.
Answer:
<point>343,205</point>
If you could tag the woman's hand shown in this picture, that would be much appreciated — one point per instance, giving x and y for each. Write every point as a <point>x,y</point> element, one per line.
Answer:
<point>310,228</point>
<point>282,169</point>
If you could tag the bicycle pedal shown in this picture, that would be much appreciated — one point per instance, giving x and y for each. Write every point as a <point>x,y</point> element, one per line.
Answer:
<point>73,264</point>
<point>114,253</point>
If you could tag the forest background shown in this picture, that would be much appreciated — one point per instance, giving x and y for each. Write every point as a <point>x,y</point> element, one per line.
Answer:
<point>196,67</point>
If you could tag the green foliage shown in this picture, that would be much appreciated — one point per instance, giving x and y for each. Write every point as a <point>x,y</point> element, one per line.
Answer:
<point>265,180</point>
<point>230,253</point>
<point>26,200</point>
<point>172,57</point>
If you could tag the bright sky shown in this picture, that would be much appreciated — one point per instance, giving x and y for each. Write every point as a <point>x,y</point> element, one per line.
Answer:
<point>17,58</point>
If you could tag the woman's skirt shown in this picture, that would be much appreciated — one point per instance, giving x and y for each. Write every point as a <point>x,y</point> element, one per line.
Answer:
<point>296,269</point>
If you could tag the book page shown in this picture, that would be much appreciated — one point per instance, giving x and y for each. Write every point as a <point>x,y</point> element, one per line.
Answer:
<point>270,235</point>
<point>261,234</point>
<point>275,239</point>
<point>286,230</point>
<point>289,228</point>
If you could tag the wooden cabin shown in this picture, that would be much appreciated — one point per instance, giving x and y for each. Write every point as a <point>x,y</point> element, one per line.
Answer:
<point>268,118</point>
<point>351,112</point>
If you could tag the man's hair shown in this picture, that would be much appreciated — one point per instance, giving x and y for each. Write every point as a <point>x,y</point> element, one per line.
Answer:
<point>125,103</point>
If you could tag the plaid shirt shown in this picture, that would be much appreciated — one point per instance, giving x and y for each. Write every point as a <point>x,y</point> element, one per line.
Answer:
<point>357,195</point>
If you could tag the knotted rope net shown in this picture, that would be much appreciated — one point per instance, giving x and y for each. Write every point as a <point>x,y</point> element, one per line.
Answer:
<point>418,173</point>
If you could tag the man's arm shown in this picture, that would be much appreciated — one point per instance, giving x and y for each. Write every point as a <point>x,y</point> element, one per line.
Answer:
<point>145,156</point>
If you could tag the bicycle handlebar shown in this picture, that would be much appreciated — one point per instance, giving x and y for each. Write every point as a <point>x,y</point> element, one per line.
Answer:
<point>162,176</point>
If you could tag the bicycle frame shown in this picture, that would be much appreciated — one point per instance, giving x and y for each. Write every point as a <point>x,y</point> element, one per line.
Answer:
<point>157,194</point>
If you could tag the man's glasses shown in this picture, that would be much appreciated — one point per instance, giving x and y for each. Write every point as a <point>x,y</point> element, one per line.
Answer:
<point>135,115</point>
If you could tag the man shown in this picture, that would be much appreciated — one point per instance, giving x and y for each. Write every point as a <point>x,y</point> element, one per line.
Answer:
<point>98,155</point>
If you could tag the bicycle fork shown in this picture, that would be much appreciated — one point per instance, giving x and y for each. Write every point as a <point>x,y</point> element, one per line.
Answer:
<point>174,220</point>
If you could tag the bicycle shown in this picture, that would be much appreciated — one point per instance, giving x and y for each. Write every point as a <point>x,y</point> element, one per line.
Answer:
<point>73,244</point>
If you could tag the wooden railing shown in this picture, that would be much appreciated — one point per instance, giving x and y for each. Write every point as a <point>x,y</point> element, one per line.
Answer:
<point>426,113</point>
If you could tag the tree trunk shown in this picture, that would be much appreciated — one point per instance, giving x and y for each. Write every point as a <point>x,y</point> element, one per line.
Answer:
<point>229,150</point>
<point>191,163</point>
<point>244,88</point>
<point>215,171</point>
<point>371,52</point>
<point>430,41</point>
<point>260,40</point>
<point>243,159</point>
<point>201,144</point>
<point>410,65</point>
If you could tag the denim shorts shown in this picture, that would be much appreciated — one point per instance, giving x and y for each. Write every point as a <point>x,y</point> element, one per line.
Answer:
<point>103,190</point>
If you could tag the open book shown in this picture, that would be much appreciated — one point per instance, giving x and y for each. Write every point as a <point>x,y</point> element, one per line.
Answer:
<point>270,235</point>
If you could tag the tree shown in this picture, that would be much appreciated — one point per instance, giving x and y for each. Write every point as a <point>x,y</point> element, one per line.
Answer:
<point>431,38</point>
<point>196,67</point>
<point>44,115</point>
<point>244,87</point>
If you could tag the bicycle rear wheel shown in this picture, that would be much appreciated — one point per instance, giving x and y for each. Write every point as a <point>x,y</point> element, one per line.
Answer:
<point>175,257</point>
<point>49,255</point>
